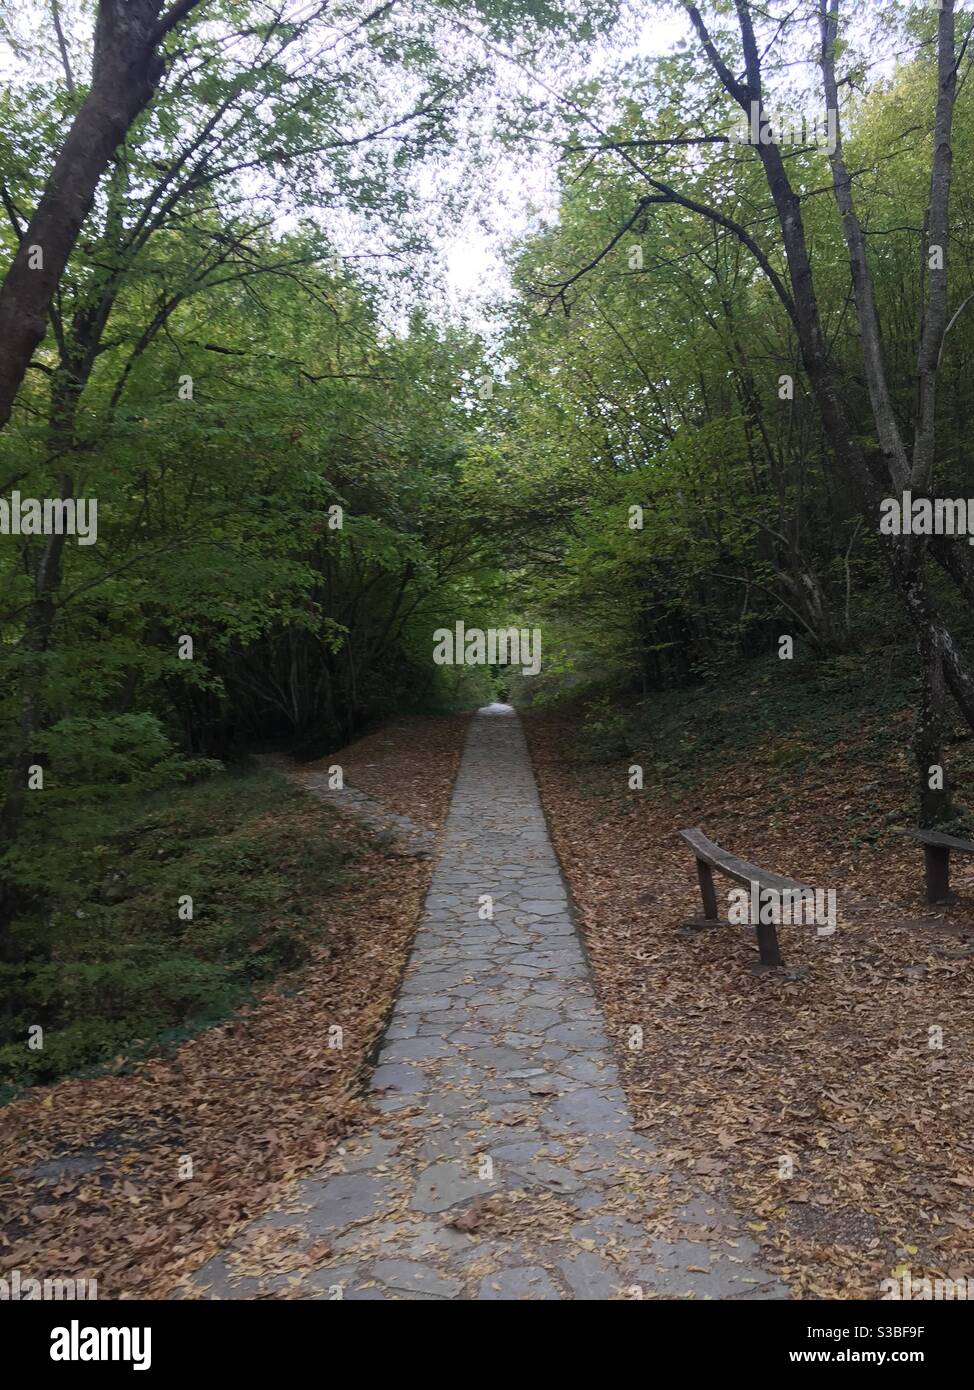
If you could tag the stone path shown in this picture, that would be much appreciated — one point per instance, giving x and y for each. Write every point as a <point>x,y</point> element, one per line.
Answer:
<point>502,1163</point>
<point>389,825</point>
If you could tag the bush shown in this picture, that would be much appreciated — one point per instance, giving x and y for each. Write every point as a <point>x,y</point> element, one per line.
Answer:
<point>109,964</point>
<point>95,770</point>
<point>606,733</point>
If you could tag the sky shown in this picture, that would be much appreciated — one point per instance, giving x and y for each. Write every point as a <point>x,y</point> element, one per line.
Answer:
<point>525,192</point>
<point>472,272</point>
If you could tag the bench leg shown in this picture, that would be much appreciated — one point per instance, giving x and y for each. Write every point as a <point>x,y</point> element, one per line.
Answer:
<point>936,861</point>
<point>768,945</point>
<point>707,892</point>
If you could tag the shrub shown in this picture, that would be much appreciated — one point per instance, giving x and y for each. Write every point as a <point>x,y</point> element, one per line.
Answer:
<point>111,968</point>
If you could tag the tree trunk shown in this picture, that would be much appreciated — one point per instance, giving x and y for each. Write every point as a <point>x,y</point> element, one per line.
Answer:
<point>34,646</point>
<point>934,798</point>
<point>125,72</point>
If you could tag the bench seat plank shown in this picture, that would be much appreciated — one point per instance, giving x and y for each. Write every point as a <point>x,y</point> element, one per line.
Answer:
<point>739,869</point>
<point>934,837</point>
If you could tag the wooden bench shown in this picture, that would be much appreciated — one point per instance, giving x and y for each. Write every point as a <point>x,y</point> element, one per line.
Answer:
<point>710,856</point>
<point>936,860</point>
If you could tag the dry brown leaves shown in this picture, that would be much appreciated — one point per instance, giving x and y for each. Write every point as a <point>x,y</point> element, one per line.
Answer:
<point>833,1069</point>
<point>254,1103</point>
<point>399,765</point>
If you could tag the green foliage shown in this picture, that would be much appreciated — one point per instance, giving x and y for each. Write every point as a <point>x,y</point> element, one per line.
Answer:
<point>294,468</point>
<point>653,379</point>
<point>792,713</point>
<point>275,435</point>
<point>108,967</point>
<point>605,732</point>
<point>95,769</point>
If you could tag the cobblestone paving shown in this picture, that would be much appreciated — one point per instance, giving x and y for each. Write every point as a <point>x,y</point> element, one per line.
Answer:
<point>502,1163</point>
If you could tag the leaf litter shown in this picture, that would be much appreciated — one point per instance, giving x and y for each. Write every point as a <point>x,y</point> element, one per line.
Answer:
<point>828,1072</point>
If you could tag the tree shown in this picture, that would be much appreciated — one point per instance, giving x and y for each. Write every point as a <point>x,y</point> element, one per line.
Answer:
<point>128,63</point>
<point>655,164</point>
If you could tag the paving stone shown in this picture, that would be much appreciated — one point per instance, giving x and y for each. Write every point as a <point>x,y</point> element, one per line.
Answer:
<point>581,1035</point>
<point>401,1077</point>
<point>465,1038</point>
<point>525,1282</point>
<point>701,1211</point>
<point>518,1153</point>
<point>551,1176</point>
<point>332,1284</point>
<point>342,1200</point>
<point>597,1069</point>
<point>371,1153</point>
<point>589,1111</point>
<point>502,1059</point>
<point>609,1228</point>
<point>539,1018</point>
<point>589,1276</point>
<point>510,1113</point>
<point>422,1003</point>
<point>407,1029</point>
<point>449,1104</point>
<point>416,1050</point>
<point>548,960</point>
<point>444,1185</point>
<point>415,1278</point>
<point>444,1144</point>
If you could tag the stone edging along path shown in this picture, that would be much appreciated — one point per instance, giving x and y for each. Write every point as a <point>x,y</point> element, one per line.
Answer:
<point>502,1162</point>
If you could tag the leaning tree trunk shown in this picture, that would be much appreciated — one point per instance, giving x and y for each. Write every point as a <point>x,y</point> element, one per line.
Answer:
<point>904,555</point>
<point>126,70</point>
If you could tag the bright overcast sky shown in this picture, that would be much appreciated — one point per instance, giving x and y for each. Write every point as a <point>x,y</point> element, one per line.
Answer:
<point>526,191</point>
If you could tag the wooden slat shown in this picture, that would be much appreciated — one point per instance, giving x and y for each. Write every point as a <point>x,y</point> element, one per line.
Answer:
<point>740,870</point>
<point>934,837</point>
